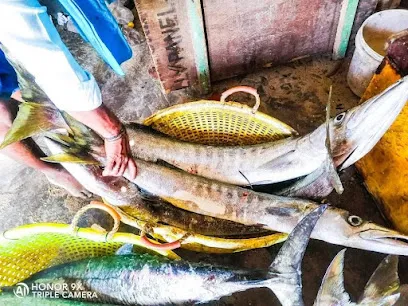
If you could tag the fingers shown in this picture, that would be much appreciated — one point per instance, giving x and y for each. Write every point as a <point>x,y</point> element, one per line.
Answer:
<point>118,159</point>
<point>123,166</point>
<point>132,169</point>
<point>109,167</point>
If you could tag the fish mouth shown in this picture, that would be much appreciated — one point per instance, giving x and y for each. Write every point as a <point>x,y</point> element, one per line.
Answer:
<point>385,236</point>
<point>369,121</point>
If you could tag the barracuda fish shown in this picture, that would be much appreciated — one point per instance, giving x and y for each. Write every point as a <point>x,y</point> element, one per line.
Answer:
<point>380,290</point>
<point>354,133</point>
<point>241,205</point>
<point>149,280</point>
<point>121,192</point>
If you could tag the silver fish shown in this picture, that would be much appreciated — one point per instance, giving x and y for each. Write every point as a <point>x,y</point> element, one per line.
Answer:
<point>353,134</point>
<point>241,205</point>
<point>151,280</point>
<point>380,290</point>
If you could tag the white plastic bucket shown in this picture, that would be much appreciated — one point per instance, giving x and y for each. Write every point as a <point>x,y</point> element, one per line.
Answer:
<point>365,60</point>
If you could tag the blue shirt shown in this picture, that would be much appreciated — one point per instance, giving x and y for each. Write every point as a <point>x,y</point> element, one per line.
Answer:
<point>8,77</point>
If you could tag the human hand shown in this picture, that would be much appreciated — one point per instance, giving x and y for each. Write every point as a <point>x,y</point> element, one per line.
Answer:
<point>118,156</point>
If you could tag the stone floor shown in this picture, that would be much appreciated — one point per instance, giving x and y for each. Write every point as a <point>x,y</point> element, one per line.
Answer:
<point>296,93</point>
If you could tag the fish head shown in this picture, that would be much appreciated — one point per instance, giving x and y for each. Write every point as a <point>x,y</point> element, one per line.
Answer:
<point>355,132</point>
<point>353,231</point>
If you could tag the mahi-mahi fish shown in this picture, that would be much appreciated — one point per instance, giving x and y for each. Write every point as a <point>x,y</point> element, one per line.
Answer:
<point>382,289</point>
<point>143,279</point>
<point>353,134</point>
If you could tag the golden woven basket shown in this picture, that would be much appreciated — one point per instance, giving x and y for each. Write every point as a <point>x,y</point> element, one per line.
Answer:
<point>220,122</point>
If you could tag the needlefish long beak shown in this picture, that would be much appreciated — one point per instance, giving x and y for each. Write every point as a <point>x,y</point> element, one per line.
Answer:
<point>363,126</point>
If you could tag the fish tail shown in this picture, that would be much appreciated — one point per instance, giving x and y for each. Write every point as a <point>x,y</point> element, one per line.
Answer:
<point>34,119</point>
<point>382,287</point>
<point>332,291</point>
<point>286,268</point>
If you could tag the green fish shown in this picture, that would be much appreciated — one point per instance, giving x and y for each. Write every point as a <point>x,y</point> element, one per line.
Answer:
<point>143,279</point>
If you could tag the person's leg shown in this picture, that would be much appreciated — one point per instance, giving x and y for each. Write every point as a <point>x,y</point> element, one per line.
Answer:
<point>28,153</point>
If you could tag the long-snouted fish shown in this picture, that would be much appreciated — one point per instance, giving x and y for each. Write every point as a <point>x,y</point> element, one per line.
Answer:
<point>150,280</point>
<point>354,133</point>
<point>380,290</point>
<point>241,205</point>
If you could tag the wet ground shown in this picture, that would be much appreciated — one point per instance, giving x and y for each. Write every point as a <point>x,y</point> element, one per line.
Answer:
<point>296,93</point>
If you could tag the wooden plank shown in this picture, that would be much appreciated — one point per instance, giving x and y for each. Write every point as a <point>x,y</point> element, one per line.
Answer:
<point>199,44</point>
<point>175,46</point>
<point>245,35</point>
<point>345,24</point>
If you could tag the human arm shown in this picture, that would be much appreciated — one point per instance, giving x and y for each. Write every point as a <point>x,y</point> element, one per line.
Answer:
<point>106,124</point>
<point>29,35</point>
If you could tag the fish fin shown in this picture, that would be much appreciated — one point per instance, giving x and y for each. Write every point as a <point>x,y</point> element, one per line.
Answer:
<point>287,264</point>
<point>332,291</point>
<point>34,119</point>
<point>70,158</point>
<point>148,196</point>
<point>315,185</point>
<point>331,168</point>
<point>81,134</point>
<point>249,183</point>
<point>125,249</point>
<point>71,153</point>
<point>382,287</point>
<point>319,183</point>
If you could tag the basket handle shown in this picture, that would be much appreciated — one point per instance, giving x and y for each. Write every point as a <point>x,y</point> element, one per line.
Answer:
<point>102,206</point>
<point>246,89</point>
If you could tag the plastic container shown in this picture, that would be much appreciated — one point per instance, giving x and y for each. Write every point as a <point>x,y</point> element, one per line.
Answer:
<point>371,36</point>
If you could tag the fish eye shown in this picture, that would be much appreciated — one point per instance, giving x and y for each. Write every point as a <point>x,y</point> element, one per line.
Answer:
<point>339,118</point>
<point>355,220</point>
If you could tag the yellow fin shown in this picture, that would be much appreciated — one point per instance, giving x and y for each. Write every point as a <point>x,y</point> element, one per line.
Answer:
<point>33,119</point>
<point>70,158</point>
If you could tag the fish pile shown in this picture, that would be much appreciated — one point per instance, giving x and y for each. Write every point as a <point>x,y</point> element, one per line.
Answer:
<point>142,279</point>
<point>212,182</point>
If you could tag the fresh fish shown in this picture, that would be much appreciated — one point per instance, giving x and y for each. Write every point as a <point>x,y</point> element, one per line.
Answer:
<point>121,192</point>
<point>11,300</point>
<point>224,201</point>
<point>354,133</point>
<point>380,290</point>
<point>150,280</point>
<point>276,213</point>
<point>196,231</point>
<point>281,214</point>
